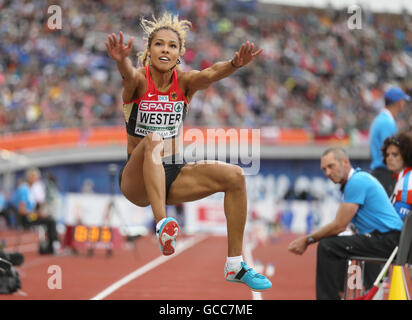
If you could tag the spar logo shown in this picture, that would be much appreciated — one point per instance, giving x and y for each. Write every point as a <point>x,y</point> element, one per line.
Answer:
<point>178,106</point>
<point>159,114</point>
<point>158,106</point>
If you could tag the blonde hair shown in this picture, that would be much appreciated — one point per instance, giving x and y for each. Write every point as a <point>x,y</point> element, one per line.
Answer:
<point>166,22</point>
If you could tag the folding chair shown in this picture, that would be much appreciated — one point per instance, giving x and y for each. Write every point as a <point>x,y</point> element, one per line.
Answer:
<point>404,256</point>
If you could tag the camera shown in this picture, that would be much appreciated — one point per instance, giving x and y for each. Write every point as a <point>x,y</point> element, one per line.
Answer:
<point>5,267</point>
<point>9,277</point>
<point>15,258</point>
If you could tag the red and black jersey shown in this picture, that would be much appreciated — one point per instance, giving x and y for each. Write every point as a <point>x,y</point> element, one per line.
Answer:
<point>156,112</point>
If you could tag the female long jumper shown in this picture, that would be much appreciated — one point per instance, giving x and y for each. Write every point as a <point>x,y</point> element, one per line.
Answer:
<point>156,99</point>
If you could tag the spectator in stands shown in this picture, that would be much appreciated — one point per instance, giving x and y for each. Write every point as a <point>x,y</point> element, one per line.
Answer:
<point>384,126</point>
<point>397,156</point>
<point>332,85</point>
<point>24,204</point>
<point>367,206</point>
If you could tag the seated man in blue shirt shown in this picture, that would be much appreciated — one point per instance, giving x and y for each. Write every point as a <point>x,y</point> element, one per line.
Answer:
<point>365,205</point>
<point>24,205</point>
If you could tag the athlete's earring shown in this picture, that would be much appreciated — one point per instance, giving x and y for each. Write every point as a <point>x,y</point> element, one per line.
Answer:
<point>178,61</point>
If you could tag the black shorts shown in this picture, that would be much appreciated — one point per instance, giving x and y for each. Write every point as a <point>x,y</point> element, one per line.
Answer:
<point>172,166</point>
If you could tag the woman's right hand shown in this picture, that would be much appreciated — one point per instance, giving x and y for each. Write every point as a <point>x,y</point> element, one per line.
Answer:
<point>117,50</point>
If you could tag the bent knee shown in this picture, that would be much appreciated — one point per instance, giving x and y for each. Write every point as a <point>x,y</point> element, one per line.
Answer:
<point>236,178</point>
<point>137,201</point>
<point>329,246</point>
<point>142,203</point>
<point>137,198</point>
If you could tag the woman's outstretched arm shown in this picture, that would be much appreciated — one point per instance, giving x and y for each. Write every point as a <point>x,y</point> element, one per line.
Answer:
<point>119,52</point>
<point>198,80</point>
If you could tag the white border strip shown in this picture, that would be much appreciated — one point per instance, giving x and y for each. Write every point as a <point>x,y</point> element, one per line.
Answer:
<point>181,246</point>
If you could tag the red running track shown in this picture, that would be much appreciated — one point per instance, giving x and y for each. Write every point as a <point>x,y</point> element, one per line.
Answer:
<point>192,273</point>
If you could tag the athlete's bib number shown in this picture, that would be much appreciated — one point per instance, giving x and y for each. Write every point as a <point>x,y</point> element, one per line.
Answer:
<point>161,117</point>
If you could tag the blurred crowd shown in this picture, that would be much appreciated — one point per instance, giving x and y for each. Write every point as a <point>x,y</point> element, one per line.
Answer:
<point>315,72</point>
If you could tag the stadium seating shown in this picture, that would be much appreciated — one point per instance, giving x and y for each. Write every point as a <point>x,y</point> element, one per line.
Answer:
<point>327,80</point>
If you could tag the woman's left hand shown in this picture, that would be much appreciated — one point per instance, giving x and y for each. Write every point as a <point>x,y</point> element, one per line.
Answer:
<point>245,54</point>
